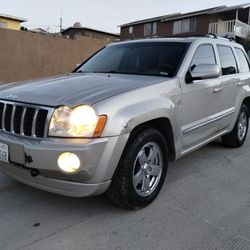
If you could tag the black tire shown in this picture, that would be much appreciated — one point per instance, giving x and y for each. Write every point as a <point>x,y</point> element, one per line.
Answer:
<point>235,138</point>
<point>123,191</point>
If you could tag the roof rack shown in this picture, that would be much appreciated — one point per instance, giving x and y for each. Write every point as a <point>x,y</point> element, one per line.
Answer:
<point>210,35</point>
<point>226,37</point>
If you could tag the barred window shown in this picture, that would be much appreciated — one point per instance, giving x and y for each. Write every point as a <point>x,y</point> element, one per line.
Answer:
<point>150,29</point>
<point>184,26</point>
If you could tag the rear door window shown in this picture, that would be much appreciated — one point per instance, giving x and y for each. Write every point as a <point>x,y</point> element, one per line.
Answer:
<point>227,59</point>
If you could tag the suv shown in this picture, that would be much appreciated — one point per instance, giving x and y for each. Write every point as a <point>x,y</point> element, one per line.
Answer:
<point>112,125</point>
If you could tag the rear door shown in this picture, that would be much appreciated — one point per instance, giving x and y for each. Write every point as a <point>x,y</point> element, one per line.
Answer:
<point>244,67</point>
<point>229,82</point>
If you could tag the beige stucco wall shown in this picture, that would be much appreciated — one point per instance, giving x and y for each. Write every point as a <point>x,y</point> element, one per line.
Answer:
<point>25,55</point>
<point>11,23</point>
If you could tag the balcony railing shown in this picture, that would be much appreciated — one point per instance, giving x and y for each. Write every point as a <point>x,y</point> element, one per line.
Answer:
<point>230,28</point>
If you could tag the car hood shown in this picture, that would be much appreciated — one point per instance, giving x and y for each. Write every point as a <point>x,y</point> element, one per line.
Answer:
<point>74,89</point>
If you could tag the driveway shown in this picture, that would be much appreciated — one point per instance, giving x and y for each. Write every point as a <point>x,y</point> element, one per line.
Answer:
<point>204,204</point>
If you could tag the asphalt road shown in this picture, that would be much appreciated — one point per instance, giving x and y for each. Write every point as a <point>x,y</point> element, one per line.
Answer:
<point>204,204</point>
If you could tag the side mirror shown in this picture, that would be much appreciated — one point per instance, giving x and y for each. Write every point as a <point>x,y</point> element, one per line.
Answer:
<point>205,71</point>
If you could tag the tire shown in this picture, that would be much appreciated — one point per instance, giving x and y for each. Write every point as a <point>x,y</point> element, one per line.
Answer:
<point>141,171</point>
<point>237,136</point>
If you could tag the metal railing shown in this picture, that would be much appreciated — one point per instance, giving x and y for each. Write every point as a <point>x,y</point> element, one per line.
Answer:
<point>230,28</point>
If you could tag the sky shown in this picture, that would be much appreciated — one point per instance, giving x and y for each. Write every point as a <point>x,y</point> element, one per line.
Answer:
<point>104,15</point>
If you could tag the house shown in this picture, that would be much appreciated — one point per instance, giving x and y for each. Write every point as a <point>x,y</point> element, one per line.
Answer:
<point>233,21</point>
<point>71,32</point>
<point>39,31</point>
<point>11,22</point>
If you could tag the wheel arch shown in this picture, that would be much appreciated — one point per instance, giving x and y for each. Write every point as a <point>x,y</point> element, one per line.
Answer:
<point>246,101</point>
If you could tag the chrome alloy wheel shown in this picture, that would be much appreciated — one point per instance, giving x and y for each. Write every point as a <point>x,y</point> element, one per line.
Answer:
<point>242,125</point>
<point>147,169</point>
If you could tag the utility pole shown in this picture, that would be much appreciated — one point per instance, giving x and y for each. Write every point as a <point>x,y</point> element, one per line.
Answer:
<point>61,22</point>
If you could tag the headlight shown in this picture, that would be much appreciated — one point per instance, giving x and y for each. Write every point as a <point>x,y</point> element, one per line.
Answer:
<point>80,121</point>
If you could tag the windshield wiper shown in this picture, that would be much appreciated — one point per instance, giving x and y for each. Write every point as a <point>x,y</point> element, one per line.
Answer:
<point>105,72</point>
<point>162,74</point>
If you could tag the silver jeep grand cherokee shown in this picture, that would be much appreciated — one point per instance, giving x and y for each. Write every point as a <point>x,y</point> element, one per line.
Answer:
<point>112,125</point>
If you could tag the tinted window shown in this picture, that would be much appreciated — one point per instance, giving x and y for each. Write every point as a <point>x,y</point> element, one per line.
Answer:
<point>244,66</point>
<point>203,55</point>
<point>228,62</point>
<point>141,58</point>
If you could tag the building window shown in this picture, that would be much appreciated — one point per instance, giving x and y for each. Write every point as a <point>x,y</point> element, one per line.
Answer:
<point>184,26</point>
<point>150,29</point>
<point>3,24</point>
<point>130,30</point>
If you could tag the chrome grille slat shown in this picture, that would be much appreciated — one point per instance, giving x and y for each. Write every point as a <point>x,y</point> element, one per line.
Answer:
<point>33,132</point>
<point>12,119</point>
<point>3,117</point>
<point>27,120</point>
<point>22,120</point>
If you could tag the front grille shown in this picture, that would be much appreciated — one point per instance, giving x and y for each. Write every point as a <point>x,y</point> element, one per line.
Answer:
<point>24,119</point>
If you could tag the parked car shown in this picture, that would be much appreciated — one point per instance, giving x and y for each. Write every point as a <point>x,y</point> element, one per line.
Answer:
<point>114,123</point>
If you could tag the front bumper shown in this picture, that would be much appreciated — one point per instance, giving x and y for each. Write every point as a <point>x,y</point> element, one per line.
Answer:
<point>62,187</point>
<point>99,158</point>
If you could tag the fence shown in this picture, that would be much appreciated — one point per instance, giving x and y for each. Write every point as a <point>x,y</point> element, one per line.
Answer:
<point>24,55</point>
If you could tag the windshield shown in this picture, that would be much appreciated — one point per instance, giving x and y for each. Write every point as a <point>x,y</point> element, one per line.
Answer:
<point>140,58</point>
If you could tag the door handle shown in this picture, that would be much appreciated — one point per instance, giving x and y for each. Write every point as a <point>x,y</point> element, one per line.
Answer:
<point>216,90</point>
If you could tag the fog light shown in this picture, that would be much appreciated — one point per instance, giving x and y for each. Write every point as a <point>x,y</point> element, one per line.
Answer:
<point>68,162</point>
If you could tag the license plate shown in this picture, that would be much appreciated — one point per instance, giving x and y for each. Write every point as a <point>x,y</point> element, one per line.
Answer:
<point>4,152</point>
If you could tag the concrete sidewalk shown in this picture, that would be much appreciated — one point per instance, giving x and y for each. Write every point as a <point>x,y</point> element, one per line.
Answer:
<point>204,204</point>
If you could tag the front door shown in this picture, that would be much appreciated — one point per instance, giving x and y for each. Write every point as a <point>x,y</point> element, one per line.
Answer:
<point>201,103</point>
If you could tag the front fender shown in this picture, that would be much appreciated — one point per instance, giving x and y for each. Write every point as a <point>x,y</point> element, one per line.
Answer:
<point>124,120</point>
<point>144,112</point>
<point>128,110</point>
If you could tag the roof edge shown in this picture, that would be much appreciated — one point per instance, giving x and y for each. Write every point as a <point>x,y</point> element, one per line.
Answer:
<point>149,19</point>
<point>21,19</point>
<point>174,16</point>
<point>101,31</point>
<point>194,13</point>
